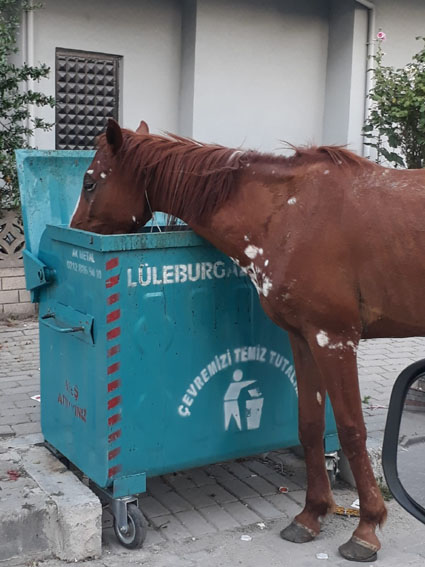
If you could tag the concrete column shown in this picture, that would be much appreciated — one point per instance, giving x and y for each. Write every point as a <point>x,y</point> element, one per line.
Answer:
<point>346,74</point>
<point>187,77</point>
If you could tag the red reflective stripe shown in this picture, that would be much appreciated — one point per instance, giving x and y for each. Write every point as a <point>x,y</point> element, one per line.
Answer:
<point>114,470</point>
<point>112,263</point>
<point>114,350</point>
<point>114,436</point>
<point>113,298</point>
<point>114,402</point>
<point>114,385</point>
<point>114,453</point>
<point>113,368</point>
<point>113,333</point>
<point>113,316</point>
<point>114,419</point>
<point>113,280</point>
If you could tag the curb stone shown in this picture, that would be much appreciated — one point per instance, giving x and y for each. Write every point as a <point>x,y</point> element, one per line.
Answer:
<point>46,512</point>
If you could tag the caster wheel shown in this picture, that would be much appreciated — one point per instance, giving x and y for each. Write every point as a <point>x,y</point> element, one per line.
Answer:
<point>332,477</point>
<point>332,468</point>
<point>136,532</point>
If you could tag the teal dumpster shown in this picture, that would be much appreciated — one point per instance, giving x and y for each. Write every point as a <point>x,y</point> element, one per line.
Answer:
<point>155,354</point>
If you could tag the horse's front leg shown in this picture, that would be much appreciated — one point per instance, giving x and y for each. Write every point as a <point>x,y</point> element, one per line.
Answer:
<point>335,355</point>
<point>311,425</point>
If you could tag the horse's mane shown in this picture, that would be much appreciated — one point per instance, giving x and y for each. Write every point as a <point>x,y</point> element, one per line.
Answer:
<point>196,179</point>
<point>339,155</point>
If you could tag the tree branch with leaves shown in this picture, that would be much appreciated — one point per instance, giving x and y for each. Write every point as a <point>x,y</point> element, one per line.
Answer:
<point>395,126</point>
<point>17,123</point>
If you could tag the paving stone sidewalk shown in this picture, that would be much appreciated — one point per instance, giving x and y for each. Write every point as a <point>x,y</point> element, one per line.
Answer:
<point>207,500</point>
<point>19,378</point>
<point>380,361</point>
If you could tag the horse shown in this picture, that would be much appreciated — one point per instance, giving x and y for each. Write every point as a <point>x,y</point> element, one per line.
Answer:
<point>333,244</point>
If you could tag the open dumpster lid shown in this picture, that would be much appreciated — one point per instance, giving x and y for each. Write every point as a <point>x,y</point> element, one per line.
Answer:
<point>50,185</point>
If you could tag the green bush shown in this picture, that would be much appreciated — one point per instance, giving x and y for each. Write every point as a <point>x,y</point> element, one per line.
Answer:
<point>396,123</point>
<point>16,121</point>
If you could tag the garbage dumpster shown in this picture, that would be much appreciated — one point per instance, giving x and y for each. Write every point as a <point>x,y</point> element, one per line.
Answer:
<point>155,353</point>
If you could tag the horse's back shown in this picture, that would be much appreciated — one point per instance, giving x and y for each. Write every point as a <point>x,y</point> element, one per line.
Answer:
<point>387,233</point>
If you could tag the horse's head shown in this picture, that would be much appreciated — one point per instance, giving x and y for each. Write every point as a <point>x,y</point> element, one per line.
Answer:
<point>110,201</point>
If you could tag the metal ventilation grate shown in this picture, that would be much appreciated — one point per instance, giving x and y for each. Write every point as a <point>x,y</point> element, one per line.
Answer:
<point>87,93</point>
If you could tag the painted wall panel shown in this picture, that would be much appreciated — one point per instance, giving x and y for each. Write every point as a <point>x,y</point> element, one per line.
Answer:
<point>260,72</point>
<point>402,22</point>
<point>147,34</point>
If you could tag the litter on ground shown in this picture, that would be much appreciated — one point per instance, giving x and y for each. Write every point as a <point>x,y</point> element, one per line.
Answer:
<point>342,511</point>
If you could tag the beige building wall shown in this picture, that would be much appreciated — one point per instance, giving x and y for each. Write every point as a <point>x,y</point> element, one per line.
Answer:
<point>402,21</point>
<point>240,72</point>
<point>260,72</point>
<point>146,34</point>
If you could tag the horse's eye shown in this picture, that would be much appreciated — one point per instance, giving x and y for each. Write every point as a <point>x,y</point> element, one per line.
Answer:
<point>89,184</point>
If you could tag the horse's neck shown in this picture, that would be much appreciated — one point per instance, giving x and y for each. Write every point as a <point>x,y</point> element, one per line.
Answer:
<point>238,222</point>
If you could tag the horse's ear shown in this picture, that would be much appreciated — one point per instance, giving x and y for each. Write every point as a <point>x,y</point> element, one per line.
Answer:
<point>143,128</point>
<point>113,135</point>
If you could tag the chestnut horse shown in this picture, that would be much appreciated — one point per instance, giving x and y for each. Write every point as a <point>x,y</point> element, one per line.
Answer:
<point>333,244</point>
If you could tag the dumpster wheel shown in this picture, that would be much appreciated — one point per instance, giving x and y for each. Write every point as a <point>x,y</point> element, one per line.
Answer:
<point>136,529</point>
<point>332,467</point>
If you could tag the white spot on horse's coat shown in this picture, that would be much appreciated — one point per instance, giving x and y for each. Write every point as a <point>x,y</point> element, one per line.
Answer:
<point>326,172</point>
<point>246,238</point>
<point>342,346</point>
<point>133,218</point>
<point>103,175</point>
<point>319,398</point>
<point>266,262</point>
<point>253,173</point>
<point>90,171</point>
<point>335,346</point>
<point>252,251</point>
<point>322,339</point>
<point>267,285</point>
<point>273,172</point>
<point>292,201</point>
<point>248,165</point>
<point>253,272</point>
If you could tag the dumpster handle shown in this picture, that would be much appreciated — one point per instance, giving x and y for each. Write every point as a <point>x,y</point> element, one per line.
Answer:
<point>61,329</point>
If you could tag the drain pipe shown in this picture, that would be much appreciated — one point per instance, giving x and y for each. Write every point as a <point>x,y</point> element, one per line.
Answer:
<point>369,65</point>
<point>28,52</point>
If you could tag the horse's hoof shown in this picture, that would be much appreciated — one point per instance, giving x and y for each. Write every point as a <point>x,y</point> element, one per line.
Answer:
<point>358,550</point>
<point>297,533</point>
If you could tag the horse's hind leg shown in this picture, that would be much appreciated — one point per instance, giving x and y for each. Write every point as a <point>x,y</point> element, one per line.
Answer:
<point>335,354</point>
<point>311,400</point>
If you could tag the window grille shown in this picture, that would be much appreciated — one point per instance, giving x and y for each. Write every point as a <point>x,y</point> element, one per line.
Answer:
<point>87,94</point>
